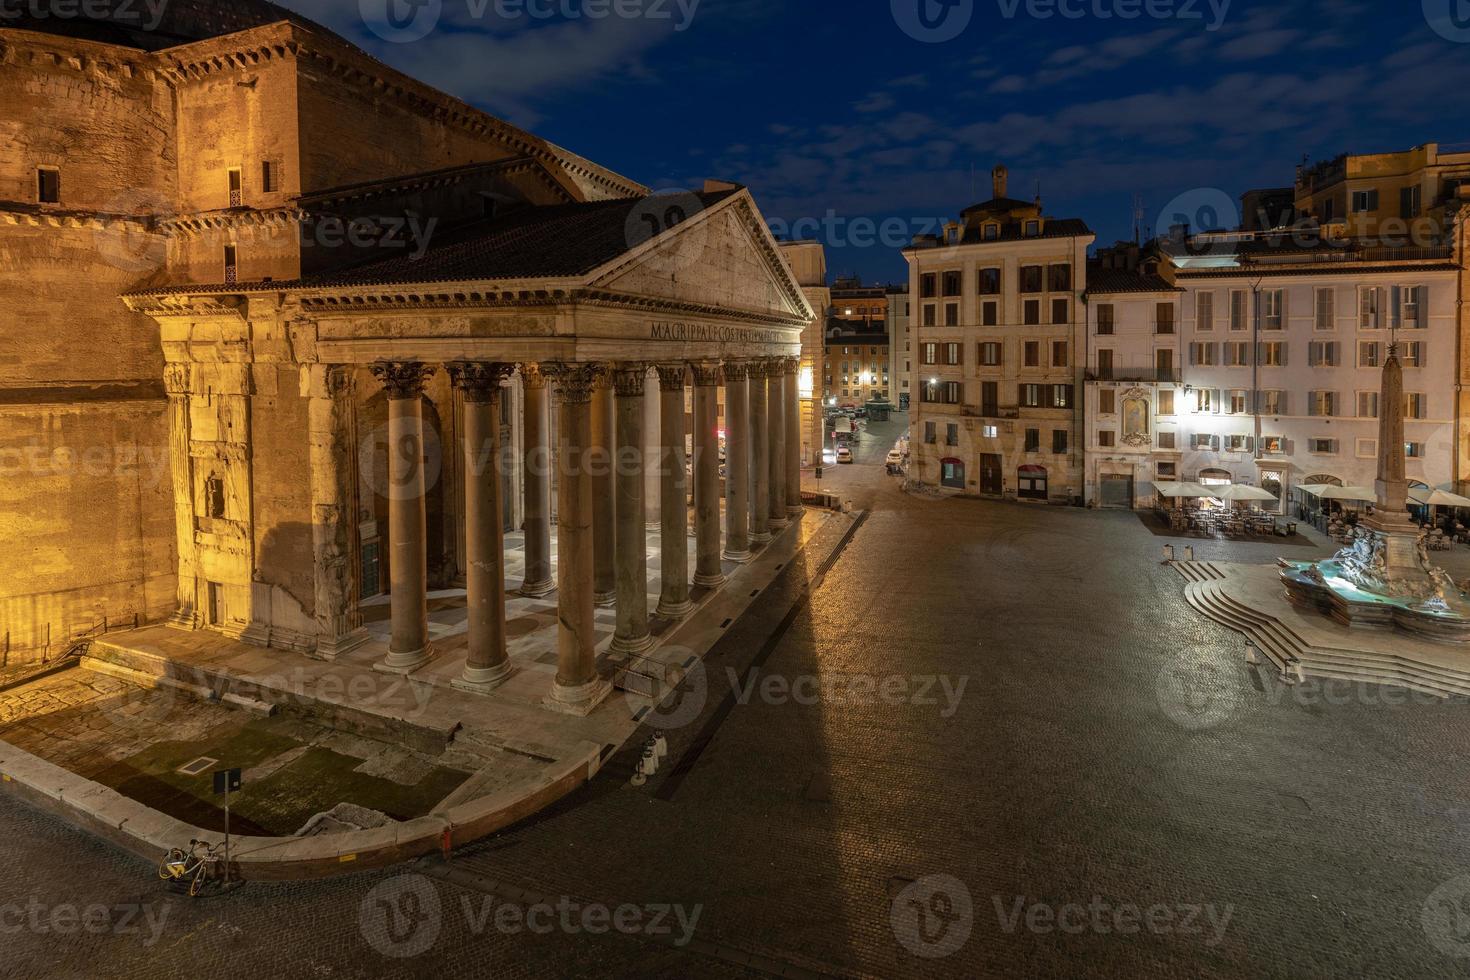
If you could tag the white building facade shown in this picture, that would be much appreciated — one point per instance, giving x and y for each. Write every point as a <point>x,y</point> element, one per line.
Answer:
<point>1134,393</point>
<point>1283,357</point>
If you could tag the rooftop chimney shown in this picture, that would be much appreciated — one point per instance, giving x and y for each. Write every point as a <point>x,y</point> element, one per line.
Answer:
<point>998,181</point>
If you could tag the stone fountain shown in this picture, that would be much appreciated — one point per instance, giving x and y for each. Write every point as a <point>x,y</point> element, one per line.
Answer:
<point>1384,579</point>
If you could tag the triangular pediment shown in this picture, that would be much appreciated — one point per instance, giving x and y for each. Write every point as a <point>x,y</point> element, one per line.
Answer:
<point>721,256</point>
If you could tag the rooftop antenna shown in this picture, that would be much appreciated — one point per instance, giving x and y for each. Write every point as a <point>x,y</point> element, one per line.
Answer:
<point>1138,212</point>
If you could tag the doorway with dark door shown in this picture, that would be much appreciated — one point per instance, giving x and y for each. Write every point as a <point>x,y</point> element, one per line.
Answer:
<point>992,480</point>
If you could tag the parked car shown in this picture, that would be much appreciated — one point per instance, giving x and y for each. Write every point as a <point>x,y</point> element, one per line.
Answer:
<point>895,458</point>
<point>844,455</point>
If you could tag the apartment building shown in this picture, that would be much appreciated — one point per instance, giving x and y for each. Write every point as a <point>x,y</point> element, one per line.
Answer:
<point>900,346</point>
<point>1133,397</point>
<point>998,331</point>
<point>857,360</point>
<point>1284,342</point>
<point>1404,198</point>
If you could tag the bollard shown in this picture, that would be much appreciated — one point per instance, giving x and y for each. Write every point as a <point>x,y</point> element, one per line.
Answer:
<point>661,746</point>
<point>1250,653</point>
<point>1189,552</point>
<point>1168,552</point>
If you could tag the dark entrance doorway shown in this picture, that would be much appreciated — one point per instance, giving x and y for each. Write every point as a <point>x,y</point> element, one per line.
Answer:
<point>952,474</point>
<point>1116,491</point>
<point>991,479</point>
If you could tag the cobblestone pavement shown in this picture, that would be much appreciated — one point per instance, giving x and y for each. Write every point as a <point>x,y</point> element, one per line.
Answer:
<point>989,740</point>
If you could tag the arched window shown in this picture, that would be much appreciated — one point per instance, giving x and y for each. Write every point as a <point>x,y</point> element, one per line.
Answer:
<point>1322,479</point>
<point>1215,478</point>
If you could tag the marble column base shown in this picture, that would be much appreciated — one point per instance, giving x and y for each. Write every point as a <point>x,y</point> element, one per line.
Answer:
<point>605,600</point>
<point>760,538</point>
<point>631,647</point>
<point>578,700</point>
<point>795,510</point>
<point>483,680</point>
<point>332,647</point>
<point>537,590</point>
<point>654,526</point>
<point>740,557</point>
<point>780,523</point>
<point>674,610</point>
<point>404,663</point>
<point>709,581</point>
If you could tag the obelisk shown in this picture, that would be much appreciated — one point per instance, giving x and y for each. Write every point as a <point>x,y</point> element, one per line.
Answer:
<point>1397,534</point>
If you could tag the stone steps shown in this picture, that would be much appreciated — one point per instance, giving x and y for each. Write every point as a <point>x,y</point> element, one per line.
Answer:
<point>1296,658</point>
<point>1206,598</point>
<point>385,724</point>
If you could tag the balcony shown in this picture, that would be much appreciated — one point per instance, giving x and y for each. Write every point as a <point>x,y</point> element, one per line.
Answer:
<point>1136,375</point>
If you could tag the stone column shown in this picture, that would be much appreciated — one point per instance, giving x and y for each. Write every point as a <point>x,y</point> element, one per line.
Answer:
<point>707,569</point>
<point>793,437</point>
<point>408,649</point>
<point>331,430</point>
<point>673,601</point>
<point>652,488</point>
<point>604,505</point>
<point>631,636</point>
<point>760,456</point>
<point>181,468</point>
<point>538,580</point>
<point>487,664</point>
<point>578,688</point>
<point>737,462</point>
<point>776,406</point>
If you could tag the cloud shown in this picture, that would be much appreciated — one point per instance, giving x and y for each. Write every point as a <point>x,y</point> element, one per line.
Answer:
<point>875,102</point>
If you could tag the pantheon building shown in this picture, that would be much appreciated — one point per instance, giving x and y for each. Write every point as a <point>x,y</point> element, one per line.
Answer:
<point>286,330</point>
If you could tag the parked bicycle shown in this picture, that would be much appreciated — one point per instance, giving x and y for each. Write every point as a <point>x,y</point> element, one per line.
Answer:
<point>202,867</point>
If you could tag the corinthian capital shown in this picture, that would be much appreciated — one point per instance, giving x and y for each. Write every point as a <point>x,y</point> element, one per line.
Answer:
<point>672,377</point>
<point>479,380</point>
<point>736,371</point>
<point>628,379</point>
<point>706,373</point>
<point>533,377</point>
<point>575,380</point>
<point>403,379</point>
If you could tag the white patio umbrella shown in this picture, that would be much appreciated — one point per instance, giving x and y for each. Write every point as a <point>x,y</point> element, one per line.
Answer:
<point>1347,493</point>
<point>1438,498</point>
<point>1238,492</point>
<point>1174,490</point>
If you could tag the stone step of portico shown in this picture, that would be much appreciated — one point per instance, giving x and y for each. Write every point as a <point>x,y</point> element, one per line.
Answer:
<point>150,679</point>
<point>304,697</point>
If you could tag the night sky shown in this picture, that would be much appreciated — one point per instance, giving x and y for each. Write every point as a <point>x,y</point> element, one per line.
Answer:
<point>839,105</point>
